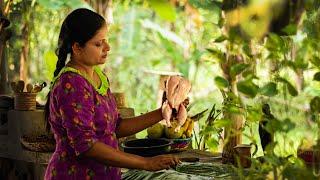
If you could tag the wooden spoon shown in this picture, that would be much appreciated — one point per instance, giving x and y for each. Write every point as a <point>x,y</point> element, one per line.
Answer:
<point>20,86</point>
<point>13,86</point>
<point>37,88</point>
<point>29,87</point>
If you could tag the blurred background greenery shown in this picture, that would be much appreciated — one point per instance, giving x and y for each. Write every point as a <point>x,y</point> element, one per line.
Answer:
<point>260,51</point>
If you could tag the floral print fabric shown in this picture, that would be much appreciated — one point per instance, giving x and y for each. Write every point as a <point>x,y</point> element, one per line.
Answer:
<point>80,116</point>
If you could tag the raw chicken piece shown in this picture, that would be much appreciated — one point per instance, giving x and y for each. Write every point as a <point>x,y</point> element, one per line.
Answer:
<point>171,88</point>
<point>167,112</point>
<point>177,89</point>
<point>182,116</point>
<point>181,92</point>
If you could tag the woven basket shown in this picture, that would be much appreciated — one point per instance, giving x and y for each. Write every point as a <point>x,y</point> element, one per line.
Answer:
<point>40,143</point>
<point>25,101</point>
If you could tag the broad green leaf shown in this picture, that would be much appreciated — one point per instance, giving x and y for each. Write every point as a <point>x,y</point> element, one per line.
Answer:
<point>238,69</point>
<point>220,123</point>
<point>316,77</point>
<point>248,88</point>
<point>269,89</point>
<point>254,115</point>
<point>315,105</point>
<point>213,143</point>
<point>221,82</point>
<point>292,90</point>
<point>164,9</point>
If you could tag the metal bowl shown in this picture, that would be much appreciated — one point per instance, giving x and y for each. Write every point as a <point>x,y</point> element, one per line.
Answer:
<point>147,147</point>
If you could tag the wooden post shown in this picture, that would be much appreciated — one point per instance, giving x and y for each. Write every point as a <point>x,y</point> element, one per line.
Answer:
<point>5,35</point>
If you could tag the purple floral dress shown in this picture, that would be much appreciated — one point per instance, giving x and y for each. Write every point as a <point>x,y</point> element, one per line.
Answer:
<point>80,115</point>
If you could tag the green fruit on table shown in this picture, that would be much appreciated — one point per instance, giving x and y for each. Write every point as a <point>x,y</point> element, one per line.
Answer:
<point>171,133</point>
<point>155,131</point>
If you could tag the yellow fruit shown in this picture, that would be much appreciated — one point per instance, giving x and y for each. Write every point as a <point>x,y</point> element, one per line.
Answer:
<point>155,131</point>
<point>186,124</point>
<point>190,129</point>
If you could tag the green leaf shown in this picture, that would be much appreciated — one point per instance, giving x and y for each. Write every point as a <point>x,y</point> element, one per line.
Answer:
<point>315,104</point>
<point>247,50</point>
<point>221,39</point>
<point>315,61</point>
<point>164,9</point>
<point>213,143</point>
<point>316,77</point>
<point>269,89</point>
<point>238,69</point>
<point>275,42</point>
<point>292,90</point>
<point>206,4</point>
<point>221,82</point>
<point>248,88</point>
<point>220,123</point>
<point>217,54</point>
<point>290,29</point>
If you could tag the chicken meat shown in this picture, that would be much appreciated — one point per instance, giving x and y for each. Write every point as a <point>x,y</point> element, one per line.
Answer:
<point>176,89</point>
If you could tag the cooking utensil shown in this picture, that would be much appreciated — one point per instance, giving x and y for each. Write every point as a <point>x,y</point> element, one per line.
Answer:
<point>14,87</point>
<point>37,88</point>
<point>147,147</point>
<point>189,159</point>
<point>29,87</point>
<point>20,86</point>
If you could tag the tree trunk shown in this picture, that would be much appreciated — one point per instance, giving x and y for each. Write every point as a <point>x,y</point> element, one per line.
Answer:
<point>232,134</point>
<point>24,53</point>
<point>103,7</point>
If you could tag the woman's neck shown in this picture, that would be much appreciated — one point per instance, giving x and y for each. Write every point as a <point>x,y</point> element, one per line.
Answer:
<point>88,70</point>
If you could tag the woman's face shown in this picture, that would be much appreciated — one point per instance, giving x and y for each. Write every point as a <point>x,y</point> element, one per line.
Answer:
<point>95,51</point>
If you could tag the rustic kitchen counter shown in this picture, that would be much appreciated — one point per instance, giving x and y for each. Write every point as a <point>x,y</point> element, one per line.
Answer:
<point>201,166</point>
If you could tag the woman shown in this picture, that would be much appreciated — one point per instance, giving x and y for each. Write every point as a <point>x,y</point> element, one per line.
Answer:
<point>82,112</point>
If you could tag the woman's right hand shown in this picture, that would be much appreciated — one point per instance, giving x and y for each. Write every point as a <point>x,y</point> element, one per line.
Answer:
<point>160,162</point>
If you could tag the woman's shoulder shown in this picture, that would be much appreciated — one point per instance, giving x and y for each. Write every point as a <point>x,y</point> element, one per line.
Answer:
<point>71,79</point>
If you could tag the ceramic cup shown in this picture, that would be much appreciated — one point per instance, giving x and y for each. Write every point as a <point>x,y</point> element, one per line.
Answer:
<point>243,152</point>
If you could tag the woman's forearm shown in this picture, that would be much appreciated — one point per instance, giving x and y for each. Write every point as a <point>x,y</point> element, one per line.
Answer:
<point>129,126</point>
<point>113,157</point>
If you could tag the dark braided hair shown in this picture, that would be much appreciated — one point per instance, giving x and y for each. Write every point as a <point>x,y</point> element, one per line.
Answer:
<point>78,27</point>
